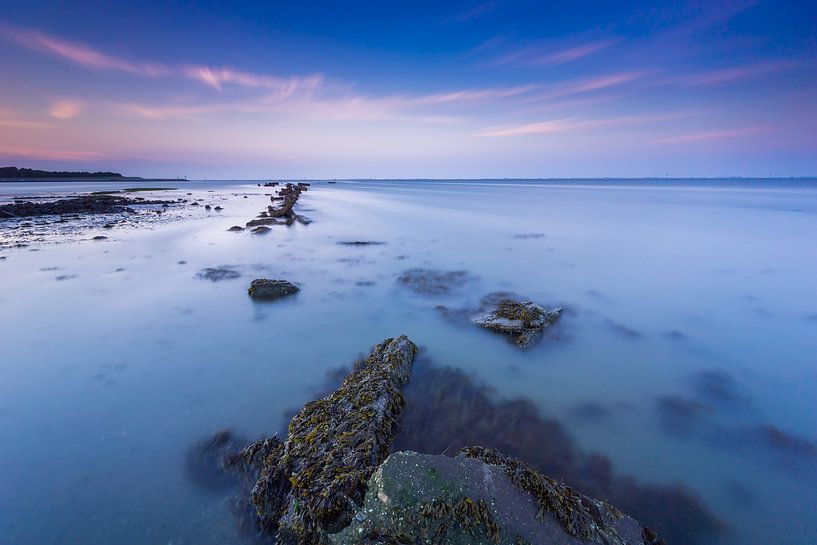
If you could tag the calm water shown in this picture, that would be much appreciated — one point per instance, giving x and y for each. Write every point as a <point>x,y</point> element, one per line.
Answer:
<point>692,326</point>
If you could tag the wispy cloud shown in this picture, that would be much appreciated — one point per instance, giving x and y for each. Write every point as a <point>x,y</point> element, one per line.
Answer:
<point>91,58</point>
<point>544,55</point>
<point>587,85</point>
<point>574,124</point>
<point>78,53</point>
<point>711,135</point>
<point>734,74</point>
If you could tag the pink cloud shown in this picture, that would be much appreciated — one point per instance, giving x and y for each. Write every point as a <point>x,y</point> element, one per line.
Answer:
<point>65,109</point>
<point>711,135</point>
<point>52,154</point>
<point>573,124</point>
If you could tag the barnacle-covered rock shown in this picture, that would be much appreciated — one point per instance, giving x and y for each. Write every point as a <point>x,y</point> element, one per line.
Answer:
<point>479,497</point>
<point>312,484</point>
<point>523,321</point>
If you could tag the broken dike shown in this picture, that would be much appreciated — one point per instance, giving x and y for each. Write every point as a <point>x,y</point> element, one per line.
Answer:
<point>335,481</point>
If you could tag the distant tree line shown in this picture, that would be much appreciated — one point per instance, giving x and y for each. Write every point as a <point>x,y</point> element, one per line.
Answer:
<point>14,172</point>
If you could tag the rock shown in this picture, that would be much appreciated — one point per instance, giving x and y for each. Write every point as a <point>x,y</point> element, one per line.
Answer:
<point>235,229</point>
<point>480,497</point>
<point>433,282</point>
<point>207,207</point>
<point>313,483</point>
<point>218,209</point>
<point>194,203</point>
<point>100,237</point>
<point>360,243</point>
<point>216,274</point>
<point>261,230</point>
<point>264,288</point>
<point>523,321</point>
<point>86,204</point>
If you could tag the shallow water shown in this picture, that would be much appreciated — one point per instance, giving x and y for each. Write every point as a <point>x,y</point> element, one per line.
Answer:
<point>116,358</point>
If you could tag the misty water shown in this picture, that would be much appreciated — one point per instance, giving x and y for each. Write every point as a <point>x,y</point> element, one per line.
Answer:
<point>687,354</point>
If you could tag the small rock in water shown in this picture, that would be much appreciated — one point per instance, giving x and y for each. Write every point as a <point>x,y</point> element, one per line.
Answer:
<point>523,321</point>
<point>207,207</point>
<point>360,243</point>
<point>217,274</point>
<point>100,237</point>
<point>194,203</point>
<point>266,289</point>
<point>235,228</point>
<point>261,230</point>
<point>218,209</point>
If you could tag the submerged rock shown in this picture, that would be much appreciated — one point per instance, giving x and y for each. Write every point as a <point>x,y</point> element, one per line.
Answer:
<point>312,484</point>
<point>361,243</point>
<point>261,230</point>
<point>236,229</point>
<point>216,274</point>
<point>206,460</point>
<point>264,288</point>
<point>433,282</point>
<point>480,497</point>
<point>523,321</point>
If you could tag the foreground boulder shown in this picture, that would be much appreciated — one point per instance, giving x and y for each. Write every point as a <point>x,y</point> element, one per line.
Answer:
<point>523,321</point>
<point>481,497</point>
<point>266,289</point>
<point>311,485</point>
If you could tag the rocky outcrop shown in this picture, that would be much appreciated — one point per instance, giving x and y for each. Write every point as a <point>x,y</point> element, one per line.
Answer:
<point>480,497</point>
<point>87,204</point>
<point>282,212</point>
<point>523,321</point>
<point>266,289</point>
<point>311,485</point>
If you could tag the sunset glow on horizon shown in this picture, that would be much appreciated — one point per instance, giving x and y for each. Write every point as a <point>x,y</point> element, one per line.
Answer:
<point>465,89</point>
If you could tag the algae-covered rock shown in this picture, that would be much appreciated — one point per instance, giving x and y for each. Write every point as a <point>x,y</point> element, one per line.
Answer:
<point>312,484</point>
<point>479,497</point>
<point>266,289</point>
<point>523,321</point>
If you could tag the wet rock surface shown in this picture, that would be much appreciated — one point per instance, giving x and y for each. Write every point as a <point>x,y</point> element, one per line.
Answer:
<point>268,290</point>
<point>432,281</point>
<point>311,484</point>
<point>479,497</point>
<point>522,321</point>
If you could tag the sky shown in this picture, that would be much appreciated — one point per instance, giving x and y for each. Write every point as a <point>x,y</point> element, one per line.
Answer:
<point>420,89</point>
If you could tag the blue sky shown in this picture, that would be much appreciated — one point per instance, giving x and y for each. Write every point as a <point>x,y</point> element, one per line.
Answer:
<point>411,89</point>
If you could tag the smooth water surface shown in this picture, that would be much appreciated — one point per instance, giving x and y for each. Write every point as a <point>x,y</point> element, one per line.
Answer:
<point>688,351</point>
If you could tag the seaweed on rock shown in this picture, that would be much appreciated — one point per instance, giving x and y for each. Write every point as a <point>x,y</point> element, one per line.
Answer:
<point>583,517</point>
<point>311,484</point>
